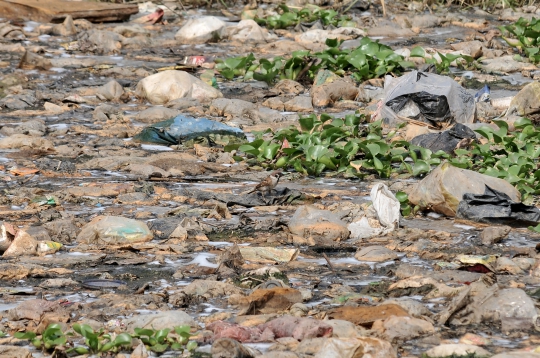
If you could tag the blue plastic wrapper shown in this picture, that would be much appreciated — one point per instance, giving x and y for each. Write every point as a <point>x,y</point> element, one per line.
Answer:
<point>483,95</point>
<point>188,130</point>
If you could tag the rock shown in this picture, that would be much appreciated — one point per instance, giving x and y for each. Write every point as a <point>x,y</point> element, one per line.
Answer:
<point>299,104</point>
<point>33,127</point>
<point>346,348</point>
<point>389,31</point>
<point>413,307</point>
<point>18,141</point>
<point>366,315</point>
<point>23,244</point>
<point>375,254</point>
<point>14,352</point>
<point>517,354</point>
<point>329,93</point>
<point>156,114</point>
<point>494,234</point>
<point>527,101</point>
<point>443,188</point>
<point>234,108</point>
<point>230,348</point>
<point>504,65</point>
<point>100,41</point>
<point>456,350</point>
<point>183,103</point>
<point>249,31</point>
<point>67,28</point>
<point>58,282</point>
<point>111,91</point>
<point>511,307</point>
<point>345,329</point>
<point>170,85</point>
<point>32,309</point>
<point>505,265</point>
<point>402,328</point>
<point>471,48</point>
<point>319,36</point>
<point>201,30</point>
<point>210,289</point>
<point>160,320</point>
<point>139,352</point>
<point>274,103</point>
<point>270,300</point>
<point>288,87</point>
<point>324,227</point>
<point>114,230</point>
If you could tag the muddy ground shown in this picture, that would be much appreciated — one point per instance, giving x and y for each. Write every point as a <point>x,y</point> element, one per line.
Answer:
<point>72,159</point>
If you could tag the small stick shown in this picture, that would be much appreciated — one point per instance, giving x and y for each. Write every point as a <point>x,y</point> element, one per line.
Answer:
<point>383,8</point>
<point>329,263</point>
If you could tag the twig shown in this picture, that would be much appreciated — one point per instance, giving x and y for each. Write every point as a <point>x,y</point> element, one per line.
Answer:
<point>383,8</point>
<point>329,263</point>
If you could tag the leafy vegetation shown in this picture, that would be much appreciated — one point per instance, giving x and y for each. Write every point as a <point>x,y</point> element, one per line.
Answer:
<point>99,342</point>
<point>369,60</point>
<point>291,17</point>
<point>525,36</point>
<point>355,148</point>
<point>442,66</point>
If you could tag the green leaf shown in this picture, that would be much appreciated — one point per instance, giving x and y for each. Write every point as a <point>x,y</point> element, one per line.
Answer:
<point>123,339</point>
<point>402,197</point>
<point>420,167</point>
<point>307,123</point>
<point>159,348</point>
<point>191,346</point>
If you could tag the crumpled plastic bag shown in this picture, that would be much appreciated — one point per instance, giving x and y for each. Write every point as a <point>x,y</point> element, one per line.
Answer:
<point>278,196</point>
<point>495,207</point>
<point>443,188</point>
<point>114,230</point>
<point>188,130</point>
<point>446,141</point>
<point>386,207</point>
<point>426,97</point>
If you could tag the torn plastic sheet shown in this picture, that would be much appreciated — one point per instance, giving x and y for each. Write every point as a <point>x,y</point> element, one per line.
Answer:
<point>446,141</point>
<point>426,97</point>
<point>276,197</point>
<point>182,129</point>
<point>495,207</point>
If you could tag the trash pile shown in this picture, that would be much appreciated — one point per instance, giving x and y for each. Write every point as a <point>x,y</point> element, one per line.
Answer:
<point>360,182</point>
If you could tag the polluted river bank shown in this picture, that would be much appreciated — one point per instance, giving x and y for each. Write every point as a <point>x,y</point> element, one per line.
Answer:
<point>270,180</point>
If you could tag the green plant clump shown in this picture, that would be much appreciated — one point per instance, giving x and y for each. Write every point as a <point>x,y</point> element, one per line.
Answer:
<point>349,146</point>
<point>355,148</point>
<point>99,342</point>
<point>292,17</point>
<point>525,36</point>
<point>444,65</point>
<point>369,60</point>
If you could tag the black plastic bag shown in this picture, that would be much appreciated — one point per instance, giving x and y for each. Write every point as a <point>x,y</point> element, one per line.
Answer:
<point>446,141</point>
<point>494,207</point>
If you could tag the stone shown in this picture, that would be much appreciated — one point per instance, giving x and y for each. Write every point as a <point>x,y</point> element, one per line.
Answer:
<point>111,91</point>
<point>14,352</point>
<point>201,30</point>
<point>166,86</point>
<point>270,300</point>
<point>299,104</point>
<point>288,87</point>
<point>375,254</point>
<point>114,230</point>
<point>274,103</point>
<point>471,48</point>
<point>457,350</point>
<point>249,31</point>
<point>506,265</point>
<point>160,320</point>
<point>355,347</point>
<point>366,315</point>
<point>504,65</point>
<point>511,307</point>
<point>494,234</point>
<point>67,28</point>
<point>517,354</point>
<point>156,114</point>
<point>23,244</point>
<point>18,141</point>
<point>398,329</point>
<point>323,226</point>
<point>527,101</point>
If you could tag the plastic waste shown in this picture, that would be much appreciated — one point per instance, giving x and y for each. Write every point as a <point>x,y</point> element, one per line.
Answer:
<point>386,214</point>
<point>188,131</point>
<point>444,187</point>
<point>483,95</point>
<point>114,230</point>
<point>426,97</point>
<point>496,207</point>
<point>458,136</point>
